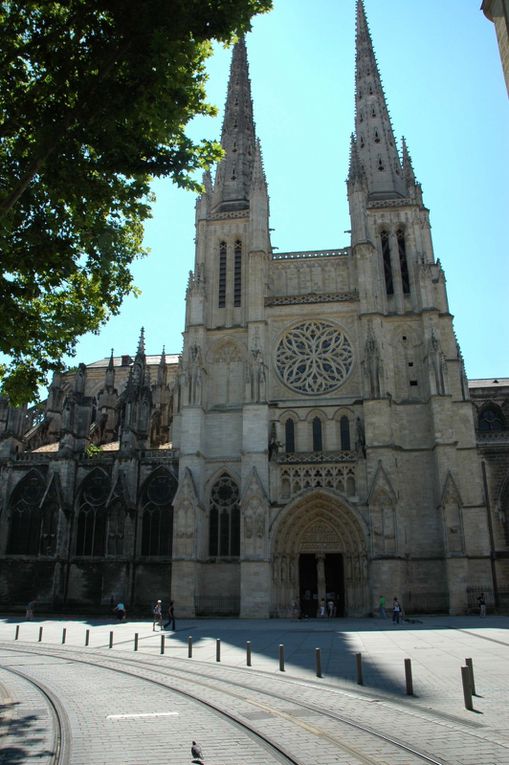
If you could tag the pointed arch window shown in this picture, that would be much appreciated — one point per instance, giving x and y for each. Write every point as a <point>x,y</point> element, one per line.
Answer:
<point>289,436</point>
<point>344,431</point>
<point>157,514</point>
<point>27,516</point>
<point>386,257</point>
<point>222,275</point>
<point>237,273</point>
<point>377,136</point>
<point>317,435</point>
<point>224,519</point>
<point>403,263</point>
<point>92,515</point>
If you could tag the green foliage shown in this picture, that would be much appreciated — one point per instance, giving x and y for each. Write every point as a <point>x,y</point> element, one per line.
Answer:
<point>93,451</point>
<point>95,97</point>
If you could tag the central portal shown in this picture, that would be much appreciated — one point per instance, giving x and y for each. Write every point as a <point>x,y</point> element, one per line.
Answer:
<point>321,576</point>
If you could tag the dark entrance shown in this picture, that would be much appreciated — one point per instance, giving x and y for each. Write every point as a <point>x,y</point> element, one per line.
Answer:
<point>334,582</point>
<point>308,582</point>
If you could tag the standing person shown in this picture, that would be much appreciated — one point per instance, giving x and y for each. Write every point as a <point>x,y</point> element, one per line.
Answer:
<point>158,616</point>
<point>321,612</point>
<point>171,616</point>
<point>396,610</point>
<point>381,607</point>
<point>330,608</point>
<point>30,611</point>
<point>482,604</point>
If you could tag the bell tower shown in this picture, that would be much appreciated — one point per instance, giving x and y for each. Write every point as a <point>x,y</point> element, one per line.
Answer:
<point>222,421</point>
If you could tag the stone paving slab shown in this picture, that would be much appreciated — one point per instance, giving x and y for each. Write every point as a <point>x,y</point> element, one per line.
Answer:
<point>437,646</point>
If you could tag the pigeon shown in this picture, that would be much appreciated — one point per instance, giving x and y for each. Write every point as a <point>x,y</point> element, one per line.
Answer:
<point>196,752</point>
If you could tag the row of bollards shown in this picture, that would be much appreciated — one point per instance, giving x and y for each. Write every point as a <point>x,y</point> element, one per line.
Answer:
<point>467,672</point>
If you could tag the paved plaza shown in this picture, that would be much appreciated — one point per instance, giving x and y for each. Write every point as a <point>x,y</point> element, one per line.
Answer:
<point>436,645</point>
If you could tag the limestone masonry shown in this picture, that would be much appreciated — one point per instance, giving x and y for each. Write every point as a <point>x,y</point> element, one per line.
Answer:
<point>317,437</point>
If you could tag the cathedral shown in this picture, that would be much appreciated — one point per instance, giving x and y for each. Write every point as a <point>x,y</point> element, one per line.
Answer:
<point>317,437</point>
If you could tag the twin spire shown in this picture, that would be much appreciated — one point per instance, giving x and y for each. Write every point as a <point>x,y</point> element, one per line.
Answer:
<point>238,139</point>
<point>374,157</point>
<point>374,136</point>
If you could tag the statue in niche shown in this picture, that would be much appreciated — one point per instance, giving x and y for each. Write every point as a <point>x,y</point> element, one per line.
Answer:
<point>361,438</point>
<point>249,522</point>
<point>195,374</point>
<point>437,361</point>
<point>257,377</point>
<point>373,363</point>
<point>274,444</point>
<point>260,523</point>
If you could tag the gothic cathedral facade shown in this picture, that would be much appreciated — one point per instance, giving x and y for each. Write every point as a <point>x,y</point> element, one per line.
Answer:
<point>317,437</point>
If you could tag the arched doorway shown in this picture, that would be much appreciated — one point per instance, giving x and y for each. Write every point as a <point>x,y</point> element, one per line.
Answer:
<point>319,552</point>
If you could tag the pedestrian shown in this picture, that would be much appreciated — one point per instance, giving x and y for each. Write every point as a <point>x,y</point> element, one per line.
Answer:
<point>482,604</point>
<point>120,611</point>
<point>330,608</point>
<point>396,610</point>
<point>30,611</point>
<point>157,612</point>
<point>171,616</point>
<point>321,613</point>
<point>381,607</point>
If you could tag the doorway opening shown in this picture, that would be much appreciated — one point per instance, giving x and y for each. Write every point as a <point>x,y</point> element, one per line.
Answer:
<point>332,589</point>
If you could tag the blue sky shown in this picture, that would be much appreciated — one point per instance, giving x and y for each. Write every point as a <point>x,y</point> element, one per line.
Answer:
<point>443,80</point>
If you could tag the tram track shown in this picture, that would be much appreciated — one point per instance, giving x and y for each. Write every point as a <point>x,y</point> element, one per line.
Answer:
<point>303,718</point>
<point>61,732</point>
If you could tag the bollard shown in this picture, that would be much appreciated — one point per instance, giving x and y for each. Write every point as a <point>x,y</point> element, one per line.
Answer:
<point>162,643</point>
<point>467,689</point>
<point>218,650</point>
<point>248,653</point>
<point>111,640</point>
<point>135,641</point>
<point>40,634</point>
<point>318,662</point>
<point>64,633</point>
<point>281,657</point>
<point>358,667</point>
<point>189,647</point>
<point>87,637</point>
<point>408,677</point>
<point>470,666</point>
<point>16,636</point>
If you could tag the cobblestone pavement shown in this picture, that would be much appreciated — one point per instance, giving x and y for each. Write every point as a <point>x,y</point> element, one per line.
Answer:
<point>162,725</point>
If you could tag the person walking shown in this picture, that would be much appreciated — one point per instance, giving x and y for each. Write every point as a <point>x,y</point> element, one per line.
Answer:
<point>158,616</point>
<point>30,611</point>
<point>396,610</point>
<point>381,607</point>
<point>482,604</point>
<point>171,616</point>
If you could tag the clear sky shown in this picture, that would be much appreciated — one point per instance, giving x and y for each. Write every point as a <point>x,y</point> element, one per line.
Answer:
<point>443,80</point>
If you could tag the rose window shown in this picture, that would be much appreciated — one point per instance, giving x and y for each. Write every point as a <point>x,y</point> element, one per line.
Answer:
<point>314,357</point>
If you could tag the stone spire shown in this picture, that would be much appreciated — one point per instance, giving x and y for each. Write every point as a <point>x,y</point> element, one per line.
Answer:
<point>375,138</point>
<point>234,172</point>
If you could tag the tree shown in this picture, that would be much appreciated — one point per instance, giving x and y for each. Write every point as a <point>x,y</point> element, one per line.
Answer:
<point>95,97</point>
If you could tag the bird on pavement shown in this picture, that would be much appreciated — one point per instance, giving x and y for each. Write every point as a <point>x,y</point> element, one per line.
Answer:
<point>197,752</point>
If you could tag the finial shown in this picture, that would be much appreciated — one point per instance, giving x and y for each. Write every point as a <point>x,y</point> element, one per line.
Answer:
<point>141,341</point>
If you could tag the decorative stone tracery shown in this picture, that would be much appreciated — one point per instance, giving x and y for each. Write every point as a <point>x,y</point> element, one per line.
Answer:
<point>314,357</point>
